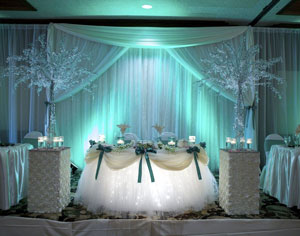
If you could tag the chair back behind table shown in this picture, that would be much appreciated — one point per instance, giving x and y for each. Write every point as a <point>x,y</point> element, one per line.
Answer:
<point>270,140</point>
<point>128,137</point>
<point>32,138</point>
<point>164,137</point>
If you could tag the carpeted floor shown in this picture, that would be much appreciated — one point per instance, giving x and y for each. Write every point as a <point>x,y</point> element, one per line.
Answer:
<point>270,208</point>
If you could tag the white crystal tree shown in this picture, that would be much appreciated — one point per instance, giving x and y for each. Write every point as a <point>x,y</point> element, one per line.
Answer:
<point>237,70</point>
<point>55,71</point>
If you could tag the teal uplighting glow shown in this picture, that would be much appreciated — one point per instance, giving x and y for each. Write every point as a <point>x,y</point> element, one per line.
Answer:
<point>146,6</point>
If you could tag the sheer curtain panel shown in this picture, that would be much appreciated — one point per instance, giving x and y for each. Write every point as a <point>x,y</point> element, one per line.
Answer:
<point>145,87</point>
<point>279,115</point>
<point>21,109</point>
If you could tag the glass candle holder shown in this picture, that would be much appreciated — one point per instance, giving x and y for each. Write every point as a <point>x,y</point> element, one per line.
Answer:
<point>56,141</point>
<point>61,141</point>
<point>233,143</point>
<point>228,143</point>
<point>48,142</point>
<point>41,142</point>
<point>192,140</point>
<point>242,143</point>
<point>249,143</point>
<point>102,138</point>
<point>120,141</point>
<point>171,142</point>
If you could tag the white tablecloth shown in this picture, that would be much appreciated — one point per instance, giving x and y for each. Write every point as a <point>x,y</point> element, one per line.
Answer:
<point>176,188</point>
<point>13,174</point>
<point>282,177</point>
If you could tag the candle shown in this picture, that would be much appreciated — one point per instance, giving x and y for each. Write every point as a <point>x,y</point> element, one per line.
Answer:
<point>249,142</point>
<point>102,138</point>
<point>228,141</point>
<point>56,141</point>
<point>40,139</point>
<point>60,141</point>
<point>192,139</point>
<point>233,141</point>
<point>41,142</point>
<point>171,143</point>
<point>120,142</point>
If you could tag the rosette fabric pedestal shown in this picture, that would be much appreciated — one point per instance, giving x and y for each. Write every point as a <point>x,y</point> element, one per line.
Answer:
<point>239,182</point>
<point>49,180</point>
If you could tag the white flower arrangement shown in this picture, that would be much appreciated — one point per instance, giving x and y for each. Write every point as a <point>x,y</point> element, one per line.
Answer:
<point>170,148</point>
<point>123,147</point>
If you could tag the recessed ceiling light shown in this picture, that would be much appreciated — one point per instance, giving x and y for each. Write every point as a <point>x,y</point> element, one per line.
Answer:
<point>146,6</point>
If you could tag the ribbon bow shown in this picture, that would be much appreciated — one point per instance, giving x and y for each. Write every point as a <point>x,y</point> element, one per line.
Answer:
<point>195,150</point>
<point>102,150</point>
<point>141,151</point>
<point>248,109</point>
<point>92,143</point>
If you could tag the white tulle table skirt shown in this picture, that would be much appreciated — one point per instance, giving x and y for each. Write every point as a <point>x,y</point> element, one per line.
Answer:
<point>117,191</point>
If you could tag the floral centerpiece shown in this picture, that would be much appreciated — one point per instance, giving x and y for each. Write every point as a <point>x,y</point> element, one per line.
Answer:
<point>120,148</point>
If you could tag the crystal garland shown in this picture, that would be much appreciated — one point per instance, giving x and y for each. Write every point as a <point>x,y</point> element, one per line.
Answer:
<point>236,70</point>
<point>239,116</point>
<point>55,71</point>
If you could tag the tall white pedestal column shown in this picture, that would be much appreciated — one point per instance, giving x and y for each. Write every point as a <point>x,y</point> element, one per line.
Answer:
<point>239,182</point>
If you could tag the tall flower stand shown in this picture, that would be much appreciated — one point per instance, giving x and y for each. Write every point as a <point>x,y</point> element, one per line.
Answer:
<point>239,182</point>
<point>49,180</point>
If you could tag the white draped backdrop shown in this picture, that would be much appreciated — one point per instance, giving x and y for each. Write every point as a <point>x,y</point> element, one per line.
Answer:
<point>147,84</point>
<point>21,110</point>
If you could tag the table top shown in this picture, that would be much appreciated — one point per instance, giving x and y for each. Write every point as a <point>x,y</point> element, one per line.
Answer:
<point>16,146</point>
<point>239,150</point>
<point>49,149</point>
<point>294,150</point>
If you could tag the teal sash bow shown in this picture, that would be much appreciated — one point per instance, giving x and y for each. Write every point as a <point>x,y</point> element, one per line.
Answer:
<point>141,151</point>
<point>102,150</point>
<point>248,109</point>
<point>195,150</point>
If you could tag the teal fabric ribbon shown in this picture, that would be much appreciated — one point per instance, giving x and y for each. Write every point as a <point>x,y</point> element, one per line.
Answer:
<point>270,143</point>
<point>248,109</point>
<point>141,151</point>
<point>195,150</point>
<point>102,150</point>
<point>92,143</point>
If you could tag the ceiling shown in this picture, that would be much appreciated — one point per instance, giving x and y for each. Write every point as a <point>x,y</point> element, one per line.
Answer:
<point>218,12</point>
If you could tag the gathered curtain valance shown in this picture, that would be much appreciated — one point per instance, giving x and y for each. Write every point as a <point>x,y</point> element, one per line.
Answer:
<point>105,45</point>
<point>150,37</point>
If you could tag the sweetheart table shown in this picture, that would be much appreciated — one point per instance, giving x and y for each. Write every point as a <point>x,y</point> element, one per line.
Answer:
<point>125,183</point>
